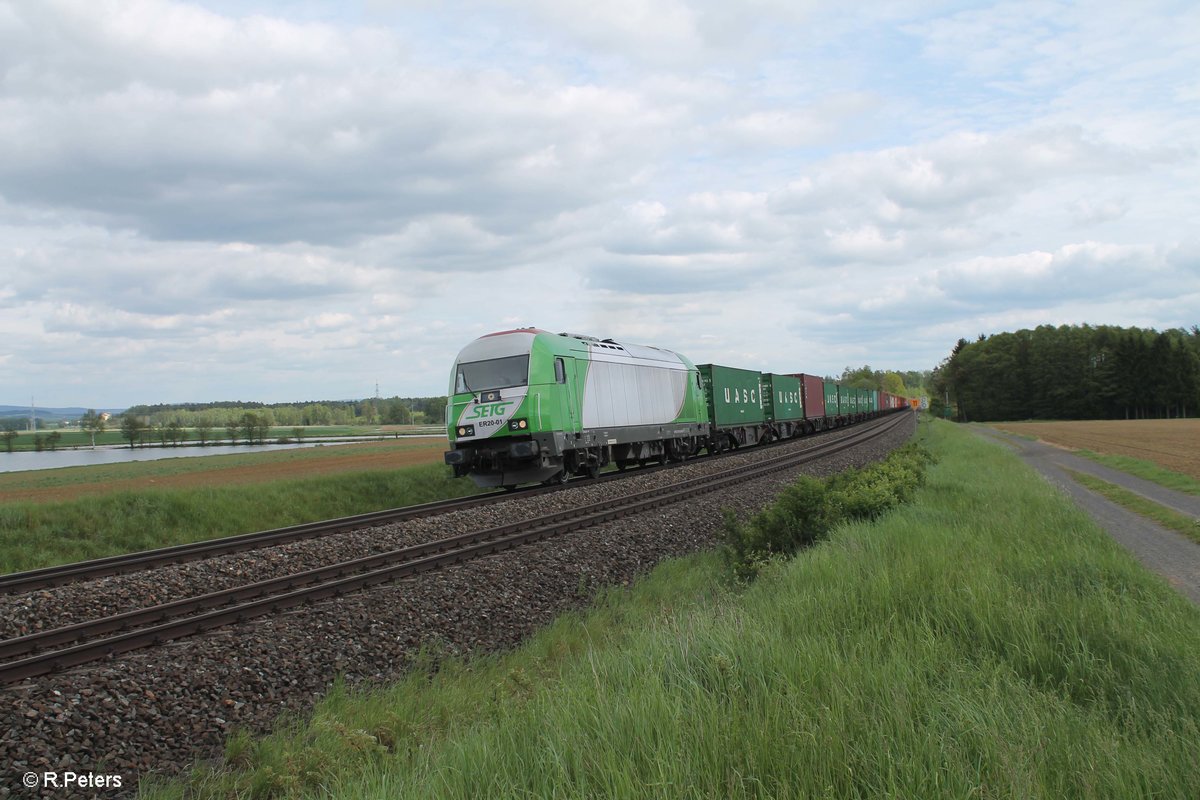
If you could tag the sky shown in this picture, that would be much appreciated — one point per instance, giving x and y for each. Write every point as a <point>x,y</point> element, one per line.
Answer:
<point>289,201</point>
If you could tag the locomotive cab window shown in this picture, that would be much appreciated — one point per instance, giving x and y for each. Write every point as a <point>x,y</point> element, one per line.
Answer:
<point>497,373</point>
<point>560,371</point>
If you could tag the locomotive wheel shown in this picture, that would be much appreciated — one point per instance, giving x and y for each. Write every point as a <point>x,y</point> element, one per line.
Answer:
<point>560,478</point>
<point>593,470</point>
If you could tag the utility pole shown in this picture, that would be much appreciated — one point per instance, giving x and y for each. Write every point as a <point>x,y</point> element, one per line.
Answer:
<point>32,416</point>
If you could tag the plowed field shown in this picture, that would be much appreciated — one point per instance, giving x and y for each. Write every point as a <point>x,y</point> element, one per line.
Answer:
<point>254,467</point>
<point>1171,443</point>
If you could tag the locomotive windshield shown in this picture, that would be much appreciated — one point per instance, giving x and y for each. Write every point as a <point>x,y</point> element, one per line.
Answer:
<point>498,373</point>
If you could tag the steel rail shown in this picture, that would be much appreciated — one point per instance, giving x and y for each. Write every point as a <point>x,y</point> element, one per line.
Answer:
<point>48,577</point>
<point>179,619</point>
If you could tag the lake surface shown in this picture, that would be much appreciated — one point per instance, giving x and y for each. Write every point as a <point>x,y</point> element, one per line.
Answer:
<point>24,461</point>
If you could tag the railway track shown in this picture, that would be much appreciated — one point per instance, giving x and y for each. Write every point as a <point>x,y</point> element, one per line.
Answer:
<point>49,577</point>
<point>62,648</point>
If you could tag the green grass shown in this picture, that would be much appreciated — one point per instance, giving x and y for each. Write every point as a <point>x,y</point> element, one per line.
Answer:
<point>166,467</point>
<point>1147,470</point>
<point>41,534</point>
<point>1149,509</point>
<point>987,640</point>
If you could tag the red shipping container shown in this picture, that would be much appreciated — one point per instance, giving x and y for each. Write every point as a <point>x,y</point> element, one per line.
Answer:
<point>814,395</point>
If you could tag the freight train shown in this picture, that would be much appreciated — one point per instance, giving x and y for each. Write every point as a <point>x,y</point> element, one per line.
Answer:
<point>531,406</point>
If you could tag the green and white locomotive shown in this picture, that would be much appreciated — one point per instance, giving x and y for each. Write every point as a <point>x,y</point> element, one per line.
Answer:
<point>526,405</point>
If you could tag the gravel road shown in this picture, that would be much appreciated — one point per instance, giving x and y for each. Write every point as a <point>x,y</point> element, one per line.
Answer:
<point>1168,553</point>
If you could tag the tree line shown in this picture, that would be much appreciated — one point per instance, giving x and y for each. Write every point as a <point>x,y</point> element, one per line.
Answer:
<point>249,428</point>
<point>904,384</point>
<point>372,411</point>
<point>1071,372</point>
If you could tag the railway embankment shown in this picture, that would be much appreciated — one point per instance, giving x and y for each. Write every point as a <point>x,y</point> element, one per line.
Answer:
<point>167,705</point>
<point>986,639</point>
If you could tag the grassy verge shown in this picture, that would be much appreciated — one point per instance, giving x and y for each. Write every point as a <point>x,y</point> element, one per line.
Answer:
<point>41,534</point>
<point>1147,470</point>
<point>1149,509</point>
<point>987,640</point>
<point>253,457</point>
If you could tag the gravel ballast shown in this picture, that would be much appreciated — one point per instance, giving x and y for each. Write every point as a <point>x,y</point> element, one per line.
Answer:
<point>163,708</point>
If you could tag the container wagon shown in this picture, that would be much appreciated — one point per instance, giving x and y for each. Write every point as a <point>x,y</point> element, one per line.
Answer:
<point>783,403</point>
<point>735,406</point>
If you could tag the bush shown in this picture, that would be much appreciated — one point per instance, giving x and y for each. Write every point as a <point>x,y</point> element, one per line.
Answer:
<point>808,510</point>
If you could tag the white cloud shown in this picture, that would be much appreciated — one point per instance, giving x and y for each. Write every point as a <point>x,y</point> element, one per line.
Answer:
<point>302,203</point>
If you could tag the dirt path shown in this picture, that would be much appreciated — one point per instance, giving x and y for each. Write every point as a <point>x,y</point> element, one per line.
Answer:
<point>1166,552</point>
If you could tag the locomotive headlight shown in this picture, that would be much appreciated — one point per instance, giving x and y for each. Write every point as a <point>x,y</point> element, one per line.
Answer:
<point>466,430</point>
<point>518,424</point>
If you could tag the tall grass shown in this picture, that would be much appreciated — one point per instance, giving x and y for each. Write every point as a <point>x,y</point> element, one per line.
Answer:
<point>985,641</point>
<point>41,534</point>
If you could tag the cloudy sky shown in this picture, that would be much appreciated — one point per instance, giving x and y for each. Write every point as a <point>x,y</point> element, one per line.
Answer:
<point>276,201</point>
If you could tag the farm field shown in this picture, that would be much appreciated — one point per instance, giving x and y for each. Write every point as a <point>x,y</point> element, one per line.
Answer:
<point>73,514</point>
<point>1173,444</point>
<point>69,439</point>
<point>254,466</point>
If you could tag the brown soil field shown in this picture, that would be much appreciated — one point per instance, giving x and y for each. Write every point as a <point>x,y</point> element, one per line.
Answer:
<point>191,473</point>
<point>1170,443</point>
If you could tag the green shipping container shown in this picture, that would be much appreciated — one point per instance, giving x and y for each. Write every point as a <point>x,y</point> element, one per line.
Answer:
<point>832,403</point>
<point>734,395</point>
<point>782,399</point>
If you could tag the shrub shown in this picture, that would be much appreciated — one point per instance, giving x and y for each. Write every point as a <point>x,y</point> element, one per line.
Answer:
<point>806,511</point>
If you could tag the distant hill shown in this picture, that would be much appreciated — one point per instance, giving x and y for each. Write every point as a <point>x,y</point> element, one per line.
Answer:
<point>50,414</point>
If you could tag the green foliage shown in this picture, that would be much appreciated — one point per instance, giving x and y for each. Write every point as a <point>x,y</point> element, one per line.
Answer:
<point>132,427</point>
<point>984,641</point>
<point>1072,372</point>
<point>900,383</point>
<point>36,535</point>
<point>370,411</point>
<point>805,512</point>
